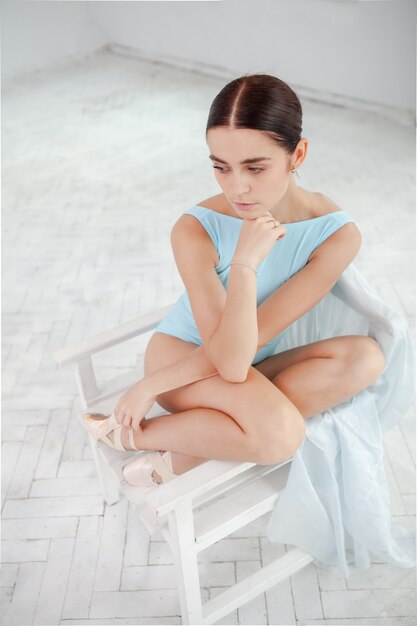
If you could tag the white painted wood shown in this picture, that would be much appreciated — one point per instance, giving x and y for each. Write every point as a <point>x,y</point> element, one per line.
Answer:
<point>181,530</point>
<point>250,587</point>
<point>86,380</point>
<point>111,337</point>
<point>109,483</point>
<point>114,388</point>
<point>239,508</point>
<point>200,481</point>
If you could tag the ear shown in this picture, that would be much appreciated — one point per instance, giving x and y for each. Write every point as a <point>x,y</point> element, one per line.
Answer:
<point>300,153</point>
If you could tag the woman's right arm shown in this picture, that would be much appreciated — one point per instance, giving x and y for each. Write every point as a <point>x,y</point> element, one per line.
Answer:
<point>139,399</point>
<point>227,321</point>
<point>196,256</point>
<point>233,344</point>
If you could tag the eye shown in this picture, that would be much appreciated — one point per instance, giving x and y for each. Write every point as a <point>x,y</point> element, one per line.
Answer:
<point>255,170</point>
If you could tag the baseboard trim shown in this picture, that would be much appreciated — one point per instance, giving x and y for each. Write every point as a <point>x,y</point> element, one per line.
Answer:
<point>404,117</point>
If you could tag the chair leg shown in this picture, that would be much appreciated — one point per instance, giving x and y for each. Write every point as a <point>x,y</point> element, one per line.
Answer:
<point>181,532</point>
<point>108,481</point>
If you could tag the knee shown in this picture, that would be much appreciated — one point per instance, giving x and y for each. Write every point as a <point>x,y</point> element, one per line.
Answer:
<point>284,441</point>
<point>366,359</point>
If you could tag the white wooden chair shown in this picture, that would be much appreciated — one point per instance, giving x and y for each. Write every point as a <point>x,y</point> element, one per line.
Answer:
<point>209,502</point>
<point>194,510</point>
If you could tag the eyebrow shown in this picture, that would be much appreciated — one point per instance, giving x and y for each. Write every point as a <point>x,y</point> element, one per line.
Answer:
<point>253,160</point>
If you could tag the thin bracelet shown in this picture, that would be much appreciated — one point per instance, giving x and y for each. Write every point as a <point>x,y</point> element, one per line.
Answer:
<point>240,263</point>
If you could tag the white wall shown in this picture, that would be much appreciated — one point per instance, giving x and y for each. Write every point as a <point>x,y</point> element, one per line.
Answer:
<point>334,50</point>
<point>363,50</point>
<point>35,35</point>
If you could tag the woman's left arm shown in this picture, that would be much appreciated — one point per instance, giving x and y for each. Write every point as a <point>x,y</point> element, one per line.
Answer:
<point>310,284</point>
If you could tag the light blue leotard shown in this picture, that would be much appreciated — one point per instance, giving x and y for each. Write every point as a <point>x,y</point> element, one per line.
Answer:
<point>285,259</point>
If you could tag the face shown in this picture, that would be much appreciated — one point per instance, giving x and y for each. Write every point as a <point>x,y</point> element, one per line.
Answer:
<point>263,182</point>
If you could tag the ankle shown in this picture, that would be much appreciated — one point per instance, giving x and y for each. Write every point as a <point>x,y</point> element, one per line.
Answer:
<point>125,437</point>
<point>183,462</point>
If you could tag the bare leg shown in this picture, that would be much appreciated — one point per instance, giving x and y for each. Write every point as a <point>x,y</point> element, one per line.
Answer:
<point>216,419</point>
<point>317,384</point>
<point>312,385</point>
<point>208,432</point>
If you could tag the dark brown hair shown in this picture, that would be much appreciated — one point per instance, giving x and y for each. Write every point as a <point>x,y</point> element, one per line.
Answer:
<point>261,102</point>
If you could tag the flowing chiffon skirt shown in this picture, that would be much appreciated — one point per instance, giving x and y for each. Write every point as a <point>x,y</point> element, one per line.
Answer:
<point>336,503</point>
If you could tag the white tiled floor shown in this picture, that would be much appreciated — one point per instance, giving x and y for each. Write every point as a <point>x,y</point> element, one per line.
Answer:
<point>100,158</point>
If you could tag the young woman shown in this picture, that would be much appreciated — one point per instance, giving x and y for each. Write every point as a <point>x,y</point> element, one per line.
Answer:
<point>253,259</point>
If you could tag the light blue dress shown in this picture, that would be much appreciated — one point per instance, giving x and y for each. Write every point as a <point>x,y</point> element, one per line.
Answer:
<point>336,503</point>
<point>286,258</point>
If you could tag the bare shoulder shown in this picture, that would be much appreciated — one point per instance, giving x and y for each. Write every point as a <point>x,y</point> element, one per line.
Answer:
<point>324,204</point>
<point>346,240</point>
<point>328,206</point>
<point>189,234</point>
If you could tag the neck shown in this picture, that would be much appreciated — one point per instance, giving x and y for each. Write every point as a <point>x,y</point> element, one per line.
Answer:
<point>291,205</point>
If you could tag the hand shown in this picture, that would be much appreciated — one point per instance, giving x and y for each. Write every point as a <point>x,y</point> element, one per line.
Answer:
<point>133,405</point>
<point>257,238</point>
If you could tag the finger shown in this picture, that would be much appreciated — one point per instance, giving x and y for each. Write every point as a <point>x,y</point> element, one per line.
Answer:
<point>271,224</point>
<point>135,422</point>
<point>268,217</point>
<point>126,420</point>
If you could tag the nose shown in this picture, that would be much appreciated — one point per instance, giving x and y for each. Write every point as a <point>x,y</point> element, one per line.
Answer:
<point>239,185</point>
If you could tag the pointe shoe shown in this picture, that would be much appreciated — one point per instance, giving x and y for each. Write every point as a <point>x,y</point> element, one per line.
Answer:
<point>100,426</point>
<point>139,471</point>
